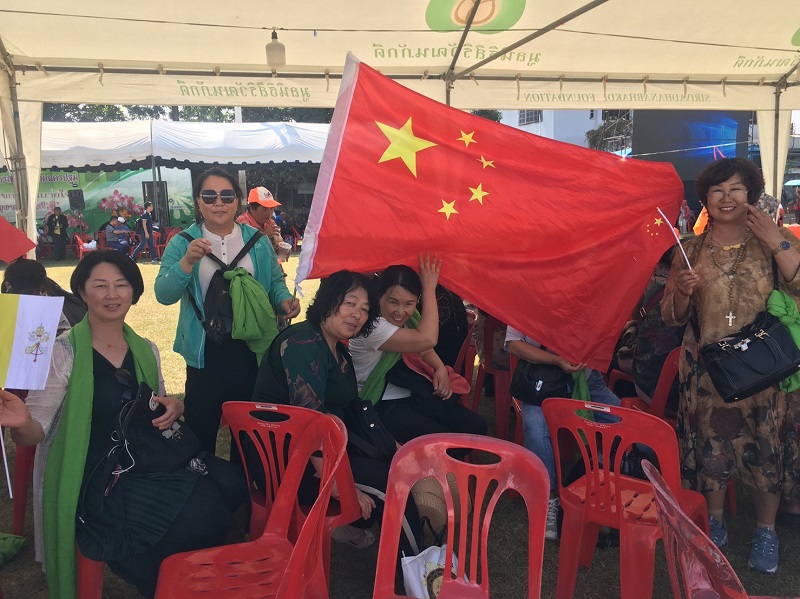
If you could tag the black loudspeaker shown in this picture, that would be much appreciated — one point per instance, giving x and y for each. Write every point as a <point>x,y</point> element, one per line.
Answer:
<point>76,201</point>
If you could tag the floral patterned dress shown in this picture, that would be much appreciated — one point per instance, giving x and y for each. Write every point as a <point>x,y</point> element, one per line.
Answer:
<point>755,438</point>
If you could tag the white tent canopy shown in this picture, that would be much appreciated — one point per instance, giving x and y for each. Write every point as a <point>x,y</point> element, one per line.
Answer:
<point>78,145</point>
<point>682,54</point>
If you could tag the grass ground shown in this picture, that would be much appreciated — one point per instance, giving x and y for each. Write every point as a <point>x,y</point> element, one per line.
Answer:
<point>352,570</point>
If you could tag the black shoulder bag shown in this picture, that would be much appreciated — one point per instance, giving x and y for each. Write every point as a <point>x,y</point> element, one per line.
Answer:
<point>752,359</point>
<point>532,383</point>
<point>217,304</point>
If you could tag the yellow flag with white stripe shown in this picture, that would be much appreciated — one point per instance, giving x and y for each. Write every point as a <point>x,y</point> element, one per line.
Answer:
<point>28,327</point>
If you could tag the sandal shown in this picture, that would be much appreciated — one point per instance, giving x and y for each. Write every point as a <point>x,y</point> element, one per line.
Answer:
<point>358,538</point>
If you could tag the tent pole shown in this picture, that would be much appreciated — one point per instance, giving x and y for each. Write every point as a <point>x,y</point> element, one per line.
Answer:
<point>538,33</point>
<point>16,158</point>
<point>448,79</point>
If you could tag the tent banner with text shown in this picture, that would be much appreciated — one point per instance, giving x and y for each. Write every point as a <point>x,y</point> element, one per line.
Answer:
<point>554,239</point>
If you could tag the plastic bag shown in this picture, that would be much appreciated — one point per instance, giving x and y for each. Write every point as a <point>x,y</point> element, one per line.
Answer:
<point>423,573</point>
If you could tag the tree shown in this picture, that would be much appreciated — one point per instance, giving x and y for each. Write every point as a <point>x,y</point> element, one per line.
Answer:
<point>492,115</point>
<point>74,113</point>
<point>613,134</point>
<point>286,115</point>
<point>206,114</point>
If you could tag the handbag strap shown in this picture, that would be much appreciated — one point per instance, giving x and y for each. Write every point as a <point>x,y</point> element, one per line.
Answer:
<point>693,314</point>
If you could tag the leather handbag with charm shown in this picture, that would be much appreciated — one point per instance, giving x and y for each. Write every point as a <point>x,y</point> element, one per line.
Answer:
<point>752,359</point>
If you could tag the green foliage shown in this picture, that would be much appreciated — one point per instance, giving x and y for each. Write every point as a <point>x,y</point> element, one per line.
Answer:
<point>613,134</point>
<point>84,113</point>
<point>206,114</point>
<point>492,115</point>
<point>269,114</point>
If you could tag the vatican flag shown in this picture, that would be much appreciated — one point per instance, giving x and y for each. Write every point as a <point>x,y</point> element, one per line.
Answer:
<point>28,326</point>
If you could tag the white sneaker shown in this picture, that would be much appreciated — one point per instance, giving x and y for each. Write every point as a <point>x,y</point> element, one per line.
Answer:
<point>551,527</point>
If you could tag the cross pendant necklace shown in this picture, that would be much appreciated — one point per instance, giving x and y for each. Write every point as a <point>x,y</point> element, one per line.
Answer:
<point>730,318</point>
<point>740,248</point>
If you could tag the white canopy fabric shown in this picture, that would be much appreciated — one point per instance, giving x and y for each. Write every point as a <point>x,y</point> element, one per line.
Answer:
<point>618,54</point>
<point>79,145</point>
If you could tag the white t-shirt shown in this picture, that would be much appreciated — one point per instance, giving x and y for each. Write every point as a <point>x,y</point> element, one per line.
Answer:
<point>225,248</point>
<point>366,354</point>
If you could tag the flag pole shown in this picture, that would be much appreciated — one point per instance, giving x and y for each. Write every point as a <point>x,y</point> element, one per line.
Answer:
<point>5,466</point>
<point>675,235</point>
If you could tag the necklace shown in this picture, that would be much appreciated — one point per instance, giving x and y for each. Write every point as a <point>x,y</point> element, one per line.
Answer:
<point>740,248</point>
<point>94,336</point>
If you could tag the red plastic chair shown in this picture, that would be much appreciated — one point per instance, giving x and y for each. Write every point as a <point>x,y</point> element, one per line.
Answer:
<point>502,380</point>
<point>465,361</point>
<point>89,576</point>
<point>705,571</point>
<point>604,497</point>
<point>23,475</point>
<point>81,239</point>
<point>170,234</point>
<point>274,431</point>
<point>657,407</point>
<point>271,565</point>
<point>512,467</point>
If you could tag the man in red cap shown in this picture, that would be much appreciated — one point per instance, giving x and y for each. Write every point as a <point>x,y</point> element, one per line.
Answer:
<point>259,215</point>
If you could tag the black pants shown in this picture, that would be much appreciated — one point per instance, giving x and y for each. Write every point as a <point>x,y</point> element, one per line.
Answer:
<point>205,521</point>
<point>411,417</point>
<point>373,476</point>
<point>59,246</point>
<point>229,375</point>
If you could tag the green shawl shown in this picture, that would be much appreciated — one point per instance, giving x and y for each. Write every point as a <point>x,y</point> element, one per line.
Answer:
<point>66,461</point>
<point>253,316</point>
<point>376,381</point>
<point>783,306</point>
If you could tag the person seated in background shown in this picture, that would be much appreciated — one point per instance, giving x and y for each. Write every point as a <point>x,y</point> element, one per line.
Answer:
<point>29,277</point>
<point>117,234</point>
<point>309,365</point>
<point>259,215</point>
<point>409,412</point>
<point>144,517</point>
<point>536,435</point>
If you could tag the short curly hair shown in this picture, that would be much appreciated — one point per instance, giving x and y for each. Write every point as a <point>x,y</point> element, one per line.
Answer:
<point>331,293</point>
<point>721,170</point>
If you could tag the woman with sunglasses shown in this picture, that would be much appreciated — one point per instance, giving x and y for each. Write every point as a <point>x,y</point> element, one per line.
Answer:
<point>95,367</point>
<point>216,372</point>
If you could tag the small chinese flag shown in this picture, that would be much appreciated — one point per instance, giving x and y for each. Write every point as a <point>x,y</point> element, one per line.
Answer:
<point>556,240</point>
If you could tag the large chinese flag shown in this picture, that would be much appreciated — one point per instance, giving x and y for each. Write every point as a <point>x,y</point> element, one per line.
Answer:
<point>556,240</point>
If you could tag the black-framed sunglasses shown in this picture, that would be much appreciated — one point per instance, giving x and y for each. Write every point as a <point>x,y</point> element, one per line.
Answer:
<point>126,379</point>
<point>209,196</point>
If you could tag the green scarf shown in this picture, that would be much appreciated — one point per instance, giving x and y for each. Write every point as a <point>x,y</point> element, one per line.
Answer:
<point>580,391</point>
<point>67,458</point>
<point>253,316</point>
<point>376,381</point>
<point>782,305</point>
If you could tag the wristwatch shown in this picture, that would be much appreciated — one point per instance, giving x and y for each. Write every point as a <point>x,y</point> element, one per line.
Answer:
<point>782,246</point>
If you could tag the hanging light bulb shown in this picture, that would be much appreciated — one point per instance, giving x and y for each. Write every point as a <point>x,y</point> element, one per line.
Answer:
<point>276,52</point>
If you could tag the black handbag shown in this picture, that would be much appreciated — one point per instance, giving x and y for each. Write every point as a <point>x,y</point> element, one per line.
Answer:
<point>366,434</point>
<point>532,383</point>
<point>752,359</point>
<point>144,449</point>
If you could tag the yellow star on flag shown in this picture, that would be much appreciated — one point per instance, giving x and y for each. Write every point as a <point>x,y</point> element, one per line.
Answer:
<point>478,193</point>
<point>467,138</point>
<point>659,222</point>
<point>404,145</point>
<point>485,162</point>
<point>448,208</point>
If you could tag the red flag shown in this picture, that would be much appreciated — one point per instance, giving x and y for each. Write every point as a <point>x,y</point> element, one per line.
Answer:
<point>13,242</point>
<point>556,240</point>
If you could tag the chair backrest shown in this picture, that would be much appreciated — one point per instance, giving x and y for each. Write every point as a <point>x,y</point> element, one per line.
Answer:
<point>270,433</point>
<point>702,565</point>
<point>603,447</point>
<point>305,574</point>
<point>490,326</point>
<point>458,367</point>
<point>664,385</point>
<point>480,485</point>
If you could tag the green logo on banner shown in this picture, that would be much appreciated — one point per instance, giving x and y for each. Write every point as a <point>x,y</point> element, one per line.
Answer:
<point>493,16</point>
<point>795,38</point>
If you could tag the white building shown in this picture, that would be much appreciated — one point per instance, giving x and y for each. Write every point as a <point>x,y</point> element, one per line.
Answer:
<point>563,125</point>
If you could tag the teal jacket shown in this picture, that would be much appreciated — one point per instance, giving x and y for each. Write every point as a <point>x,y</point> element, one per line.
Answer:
<point>172,285</point>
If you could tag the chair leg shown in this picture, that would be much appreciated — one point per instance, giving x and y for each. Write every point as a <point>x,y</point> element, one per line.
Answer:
<point>730,498</point>
<point>569,551</point>
<point>23,474</point>
<point>637,548</point>
<point>478,389</point>
<point>90,577</point>
<point>502,402</point>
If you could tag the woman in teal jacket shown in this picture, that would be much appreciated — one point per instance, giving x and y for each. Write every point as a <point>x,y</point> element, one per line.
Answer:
<point>216,372</point>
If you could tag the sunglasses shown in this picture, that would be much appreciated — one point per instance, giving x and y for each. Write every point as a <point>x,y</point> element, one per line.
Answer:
<point>209,196</point>
<point>125,379</point>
